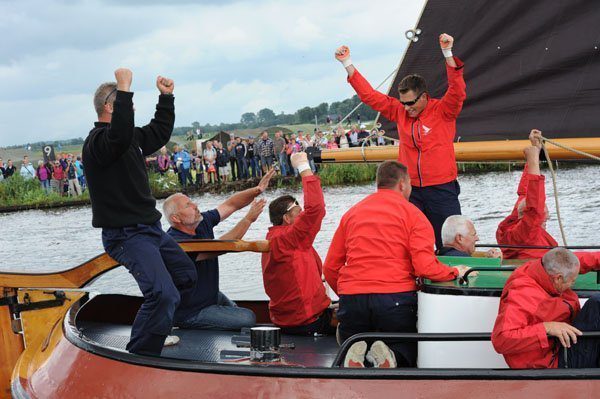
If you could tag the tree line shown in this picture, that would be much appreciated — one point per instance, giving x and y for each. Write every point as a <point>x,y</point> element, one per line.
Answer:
<point>267,117</point>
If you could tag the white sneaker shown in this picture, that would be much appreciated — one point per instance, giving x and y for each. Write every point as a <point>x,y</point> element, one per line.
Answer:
<point>171,340</point>
<point>381,356</point>
<point>355,357</point>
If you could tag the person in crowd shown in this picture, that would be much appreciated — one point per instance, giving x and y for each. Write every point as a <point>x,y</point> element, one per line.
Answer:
<point>71,173</point>
<point>9,169</point>
<point>253,157</point>
<point>163,161</point>
<point>294,148</point>
<point>459,237</point>
<point>342,138</point>
<point>373,268</point>
<point>2,170</point>
<point>210,162</point>
<point>426,128</point>
<point>292,269</point>
<point>58,176</point>
<point>80,172</point>
<point>266,150</point>
<point>27,171</point>
<point>207,307</point>
<point>537,304</point>
<point>320,140</point>
<point>352,136</point>
<point>331,144</point>
<point>241,156</point>
<point>381,137</point>
<point>123,206</point>
<point>198,165</point>
<point>223,162</point>
<point>232,160</point>
<point>44,175</point>
<point>526,225</point>
<point>363,136</point>
<point>279,150</point>
<point>182,161</point>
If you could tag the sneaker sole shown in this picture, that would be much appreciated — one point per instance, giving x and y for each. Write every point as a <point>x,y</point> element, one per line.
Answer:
<point>381,356</point>
<point>355,358</point>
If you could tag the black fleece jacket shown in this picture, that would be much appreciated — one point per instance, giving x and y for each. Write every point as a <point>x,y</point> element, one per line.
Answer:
<point>113,154</point>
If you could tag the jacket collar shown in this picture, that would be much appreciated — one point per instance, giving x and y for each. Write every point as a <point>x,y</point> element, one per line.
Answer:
<point>536,271</point>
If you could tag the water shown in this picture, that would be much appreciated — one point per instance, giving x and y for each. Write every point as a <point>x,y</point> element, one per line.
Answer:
<point>53,240</point>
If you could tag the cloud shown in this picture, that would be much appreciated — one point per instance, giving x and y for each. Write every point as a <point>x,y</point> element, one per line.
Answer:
<point>226,57</point>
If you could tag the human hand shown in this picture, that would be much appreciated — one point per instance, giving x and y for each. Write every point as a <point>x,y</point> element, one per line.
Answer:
<point>463,269</point>
<point>124,77</point>
<point>256,209</point>
<point>446,41</point>
<point>493,253</point>
<point>342,54</point>
<point>264,182</point>
<point>563,331</point>
<point>536,138</point>
<point>298,159</point>
<point>165,85</point>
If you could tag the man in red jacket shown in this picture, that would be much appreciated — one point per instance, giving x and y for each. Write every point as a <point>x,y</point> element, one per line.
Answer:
<point>537,302</point>
<point>426,129</point>
<point>292,270</point>
<point>372,266</point>
<point>526,225</point>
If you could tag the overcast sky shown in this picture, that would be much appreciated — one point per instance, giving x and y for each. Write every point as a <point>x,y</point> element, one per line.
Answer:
<point>226,57</point>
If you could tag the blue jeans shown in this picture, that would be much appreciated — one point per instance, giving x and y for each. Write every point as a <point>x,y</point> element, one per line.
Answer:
<point>164,273</point>
<point>282,158</point>
<point>225,315</point>
<point>242,164</point>
<point>254,165</point>
<point>46,185</point>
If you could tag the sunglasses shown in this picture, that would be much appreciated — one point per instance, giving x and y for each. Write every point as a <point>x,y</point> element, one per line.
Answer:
<point>413,102</point>
<point>113,91</point>
<point>294,204</point>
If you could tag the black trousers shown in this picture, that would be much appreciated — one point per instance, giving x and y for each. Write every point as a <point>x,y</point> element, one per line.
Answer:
<point>381,313</point>
<point>437,203</point>
<point>321,326</point>
<point>586,352</point>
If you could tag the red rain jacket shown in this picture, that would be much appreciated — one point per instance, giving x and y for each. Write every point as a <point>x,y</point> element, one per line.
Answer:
<point>292,270</point>
<point>381,245</point>
<point>426,142</point>
<point>528,230</point>
<point>528,300</point>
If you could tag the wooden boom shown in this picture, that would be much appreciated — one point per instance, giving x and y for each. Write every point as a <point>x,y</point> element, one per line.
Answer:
<point>80,275</point>
<point>480,151</point>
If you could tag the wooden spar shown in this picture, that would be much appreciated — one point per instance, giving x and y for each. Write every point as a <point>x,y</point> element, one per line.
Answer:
<point>480,151</point>
<point>80,275</point>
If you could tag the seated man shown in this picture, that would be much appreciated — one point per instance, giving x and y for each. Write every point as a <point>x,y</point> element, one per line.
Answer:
<point>207,307</point>
<point>526,225</point>
<point>381,246</point>
<point>292,269</point>
<point>537,302</point>
<point>459,237</point>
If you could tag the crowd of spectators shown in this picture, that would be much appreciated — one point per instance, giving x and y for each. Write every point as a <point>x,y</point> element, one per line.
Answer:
<point>248,158</point>
<point>64,176</point>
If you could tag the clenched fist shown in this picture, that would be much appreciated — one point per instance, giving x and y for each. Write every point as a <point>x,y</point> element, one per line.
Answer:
<point>165,85</point>
<point>298,158</point>
<point>536,138</point>
<point>342,54</point>
<point>124,77</point>
<point>446,41</point>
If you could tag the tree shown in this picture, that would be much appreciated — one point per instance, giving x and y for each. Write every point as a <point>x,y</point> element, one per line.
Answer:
<point>305,115</point>
<point>266,117</point>
<point>248,118</point>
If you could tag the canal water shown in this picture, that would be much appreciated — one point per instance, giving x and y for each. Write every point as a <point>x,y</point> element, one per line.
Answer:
<point>52,240</point>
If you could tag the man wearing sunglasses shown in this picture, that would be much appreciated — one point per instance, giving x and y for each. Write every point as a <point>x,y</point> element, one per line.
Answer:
<point>123,206</point>
<point>292,270</point>
<point>426,129</point>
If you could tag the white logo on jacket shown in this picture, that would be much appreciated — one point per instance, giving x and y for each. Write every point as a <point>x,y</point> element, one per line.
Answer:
<point>426,130</point>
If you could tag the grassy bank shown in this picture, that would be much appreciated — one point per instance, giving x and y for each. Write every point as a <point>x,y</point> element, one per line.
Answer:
<point>17,191</point>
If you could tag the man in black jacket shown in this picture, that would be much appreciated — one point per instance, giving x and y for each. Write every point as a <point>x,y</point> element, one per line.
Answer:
<point>123,206</point>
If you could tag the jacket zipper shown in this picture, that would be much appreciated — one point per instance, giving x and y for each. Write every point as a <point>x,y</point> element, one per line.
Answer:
<point>412,132</point>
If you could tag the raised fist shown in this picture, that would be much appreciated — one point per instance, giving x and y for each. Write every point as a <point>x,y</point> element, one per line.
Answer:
<point>298,159</point>
<point>446,41</point>
<point>536,138</point>
<point>165,85</point>
<point>342,53</point>
<point>124,77</point>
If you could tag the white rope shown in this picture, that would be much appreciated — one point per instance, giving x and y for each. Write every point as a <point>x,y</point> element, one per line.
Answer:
<point>564,147</point>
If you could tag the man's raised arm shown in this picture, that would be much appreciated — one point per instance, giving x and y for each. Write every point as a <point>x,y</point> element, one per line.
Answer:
<point>157,133</point>
<point>452,102</point>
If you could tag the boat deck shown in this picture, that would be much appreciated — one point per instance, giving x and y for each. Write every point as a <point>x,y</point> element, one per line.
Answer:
<point>218,346</point>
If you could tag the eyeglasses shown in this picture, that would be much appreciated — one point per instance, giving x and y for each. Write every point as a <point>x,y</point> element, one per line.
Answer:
<point>294,204</point>
<point>413,102</point>
<point>113,91</point>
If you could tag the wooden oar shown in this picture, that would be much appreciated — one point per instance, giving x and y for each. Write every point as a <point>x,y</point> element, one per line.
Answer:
<point>79,276</point>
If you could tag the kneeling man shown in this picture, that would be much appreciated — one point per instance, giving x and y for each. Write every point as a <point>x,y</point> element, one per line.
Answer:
<point>381,246</point>
<point>537,303</point>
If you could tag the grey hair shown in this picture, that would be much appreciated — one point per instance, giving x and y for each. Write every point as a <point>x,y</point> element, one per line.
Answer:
<point>561,261</point>
<point>170,207</point>
<point>105,93</point>
<point>455,224</point>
